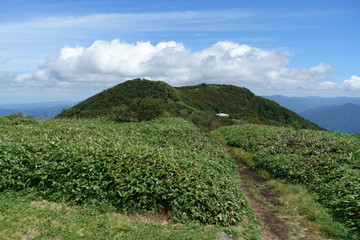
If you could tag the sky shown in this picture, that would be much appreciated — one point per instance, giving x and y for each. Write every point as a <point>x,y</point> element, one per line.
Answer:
<point>70,50</point>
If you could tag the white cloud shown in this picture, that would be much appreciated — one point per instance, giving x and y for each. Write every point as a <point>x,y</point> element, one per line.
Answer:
<point>46,33</point>
<point>223,62</point>
<point>110,62</point>
<point>305,78</point>
<point>352,84</point>
<point>104,64</point>
<point>29,41</point>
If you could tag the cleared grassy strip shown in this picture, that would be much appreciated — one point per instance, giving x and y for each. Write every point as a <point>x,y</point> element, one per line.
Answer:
<point>306,216</point>
<point>326,163</point>
<point>24,215</point>
<point>166,165</point>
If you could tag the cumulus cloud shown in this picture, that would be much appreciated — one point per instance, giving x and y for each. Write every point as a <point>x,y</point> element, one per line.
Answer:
<point>106,63</point>
<point>352,83</point>
<point>169,61</point>
<point>304,78</point>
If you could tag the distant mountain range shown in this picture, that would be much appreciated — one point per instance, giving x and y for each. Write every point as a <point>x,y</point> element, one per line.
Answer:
<point>43,110</point>
<point>199,104</point>
<point>337,118</point>
<point>340,114</point>
<point>303,104</point>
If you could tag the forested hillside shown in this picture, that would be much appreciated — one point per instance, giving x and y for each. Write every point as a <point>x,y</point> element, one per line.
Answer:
<point>129,101</point>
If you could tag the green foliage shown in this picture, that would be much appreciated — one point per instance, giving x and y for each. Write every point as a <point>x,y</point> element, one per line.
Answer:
<point>163,165</point>
<point>210,122</point>
<point>242,105</point>
<point>138,109</point>
<point>145,109</point>
<point>124,94</point>
<point>327,163</point>
<point>200,104</point>
<point>16,119</point>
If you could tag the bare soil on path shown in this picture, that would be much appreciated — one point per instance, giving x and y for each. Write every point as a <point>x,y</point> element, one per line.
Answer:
<point>273,227</point>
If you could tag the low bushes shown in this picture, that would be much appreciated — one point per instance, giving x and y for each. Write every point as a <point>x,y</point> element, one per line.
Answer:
<point>163,165</point>
<point>327,163</point>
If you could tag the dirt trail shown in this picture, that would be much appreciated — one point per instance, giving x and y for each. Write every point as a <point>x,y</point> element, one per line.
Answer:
<point>273,228</point>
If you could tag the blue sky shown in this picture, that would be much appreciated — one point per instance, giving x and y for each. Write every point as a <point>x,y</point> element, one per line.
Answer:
<point>70,50</point>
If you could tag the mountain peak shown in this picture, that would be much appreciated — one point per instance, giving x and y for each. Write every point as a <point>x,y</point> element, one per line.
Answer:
<point>198,103</point>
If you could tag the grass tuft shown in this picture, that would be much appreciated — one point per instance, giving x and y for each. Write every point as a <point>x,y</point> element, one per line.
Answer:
<point>24,215</point>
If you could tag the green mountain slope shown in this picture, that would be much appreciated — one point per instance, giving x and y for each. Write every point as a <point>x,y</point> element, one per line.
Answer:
<point>105,102</point>
<point>241,104</point>
<point>200,104</point>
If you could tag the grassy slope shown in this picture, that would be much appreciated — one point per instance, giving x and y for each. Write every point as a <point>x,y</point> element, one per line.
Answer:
<point>107,102</point>
<point>241,104</point>
<point>327,163</point>
<point>305,215</point>
<point>195,102</point>
<point>164,165</point>
<point>25,215</point>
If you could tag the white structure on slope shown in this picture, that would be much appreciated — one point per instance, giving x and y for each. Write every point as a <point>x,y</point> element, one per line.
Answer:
<point>222,114</point>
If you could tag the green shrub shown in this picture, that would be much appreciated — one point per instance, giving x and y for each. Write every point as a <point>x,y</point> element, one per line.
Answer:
<point>16,119</point>
<point>162,165</point>
<point>145,109</point>
<point>326,163</point>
